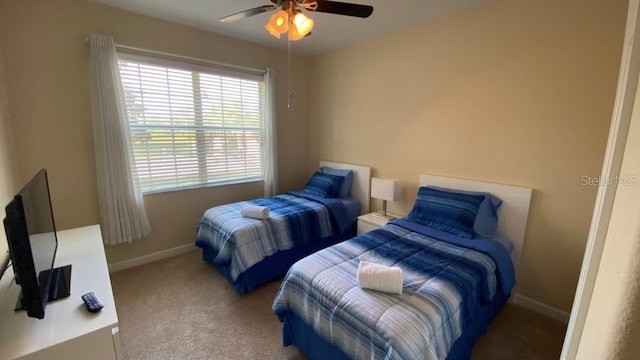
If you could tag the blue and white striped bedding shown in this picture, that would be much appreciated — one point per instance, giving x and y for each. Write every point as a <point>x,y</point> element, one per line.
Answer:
<point>294,218</point>
<point>443,286</point>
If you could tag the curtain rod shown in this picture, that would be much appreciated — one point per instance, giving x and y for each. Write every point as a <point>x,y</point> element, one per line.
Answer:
<point>162,53</point>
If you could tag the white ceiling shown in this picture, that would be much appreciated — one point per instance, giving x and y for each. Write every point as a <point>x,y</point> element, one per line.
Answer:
<point>329,33</point>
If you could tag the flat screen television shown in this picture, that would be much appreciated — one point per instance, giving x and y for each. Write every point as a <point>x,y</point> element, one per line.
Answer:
<point>33,243</point>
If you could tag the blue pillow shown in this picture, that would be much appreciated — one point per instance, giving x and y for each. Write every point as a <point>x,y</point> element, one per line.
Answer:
<point>347,176</point>
<point>325,185</point>
<point>452,212</point>
<point>486,223</point>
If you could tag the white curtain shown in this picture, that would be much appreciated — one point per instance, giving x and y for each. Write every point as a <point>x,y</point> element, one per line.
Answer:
<point>271,149</point>
<point>122,211</point>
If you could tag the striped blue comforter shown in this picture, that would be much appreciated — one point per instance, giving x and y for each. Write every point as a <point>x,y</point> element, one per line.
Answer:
<point>240,242</point>
<point>443,286</point>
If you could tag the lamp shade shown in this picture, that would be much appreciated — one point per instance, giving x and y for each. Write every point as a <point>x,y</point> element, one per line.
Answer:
<point>303,24</point>
<point>278,23</point>
<point>385,189</point>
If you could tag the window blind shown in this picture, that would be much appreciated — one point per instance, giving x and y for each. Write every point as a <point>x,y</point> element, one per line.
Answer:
<point>193,126</point>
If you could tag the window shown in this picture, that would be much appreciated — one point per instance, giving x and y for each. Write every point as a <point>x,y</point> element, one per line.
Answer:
<point>193,125</point>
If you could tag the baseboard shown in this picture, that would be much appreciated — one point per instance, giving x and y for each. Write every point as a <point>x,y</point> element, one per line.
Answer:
<point>540,308</point>
<point>121,265</point>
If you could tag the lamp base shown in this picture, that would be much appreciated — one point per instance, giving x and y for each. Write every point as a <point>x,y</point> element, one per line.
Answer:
<point>381,215</point>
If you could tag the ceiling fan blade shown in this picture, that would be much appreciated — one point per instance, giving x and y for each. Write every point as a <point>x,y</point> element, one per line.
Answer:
<point>245,14</point>
<point>341,8</point>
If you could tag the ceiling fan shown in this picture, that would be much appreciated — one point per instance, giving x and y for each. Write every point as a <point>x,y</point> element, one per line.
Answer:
<point>291,19</point>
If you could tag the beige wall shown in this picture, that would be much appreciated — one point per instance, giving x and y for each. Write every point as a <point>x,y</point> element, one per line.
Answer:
<point>515,92</point>
<point>8,170</point>
<point>47,67</point>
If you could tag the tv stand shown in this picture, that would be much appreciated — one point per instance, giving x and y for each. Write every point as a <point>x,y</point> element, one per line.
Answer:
<point>59,288</point>
<point>68,330</point>
<point>60,283</point>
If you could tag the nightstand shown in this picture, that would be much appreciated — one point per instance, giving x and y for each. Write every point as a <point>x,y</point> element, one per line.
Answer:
<point>368,222</point>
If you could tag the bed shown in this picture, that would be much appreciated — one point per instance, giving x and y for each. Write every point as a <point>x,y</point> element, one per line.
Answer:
<point>451,286</point>
<point>251,251</point>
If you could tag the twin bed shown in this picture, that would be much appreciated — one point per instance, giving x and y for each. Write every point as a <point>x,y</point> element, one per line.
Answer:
<point>250,252</point>
<point>453,282</point>
<point>452,286</point>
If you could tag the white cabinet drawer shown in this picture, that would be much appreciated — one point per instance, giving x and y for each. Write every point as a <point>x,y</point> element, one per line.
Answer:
<point>370,222</point>
<point>364,227</point>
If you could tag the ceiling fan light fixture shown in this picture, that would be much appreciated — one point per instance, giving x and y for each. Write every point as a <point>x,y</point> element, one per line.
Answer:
<point>294,35</point>
<point>290,19</point>
<point>272,30</point>
<point>278,24</point>
<point>302,24</point>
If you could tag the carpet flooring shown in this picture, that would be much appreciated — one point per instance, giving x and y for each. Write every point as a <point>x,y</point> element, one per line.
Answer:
<point>183,308</point>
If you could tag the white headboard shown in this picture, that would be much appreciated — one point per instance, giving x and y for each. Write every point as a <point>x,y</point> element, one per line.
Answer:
<point>361,185</point>
<point>512,214</point>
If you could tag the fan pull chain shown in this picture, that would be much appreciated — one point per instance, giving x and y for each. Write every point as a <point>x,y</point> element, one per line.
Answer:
<point>289,62</point>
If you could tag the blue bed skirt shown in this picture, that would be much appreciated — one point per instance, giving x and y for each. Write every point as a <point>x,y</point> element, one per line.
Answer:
<point>276,265</point>
<point>297,332</point>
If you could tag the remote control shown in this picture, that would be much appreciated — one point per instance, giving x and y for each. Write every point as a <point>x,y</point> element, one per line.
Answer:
<point>92,302</point>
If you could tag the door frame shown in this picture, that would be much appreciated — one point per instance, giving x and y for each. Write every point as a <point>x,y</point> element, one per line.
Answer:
<point>618,131</point>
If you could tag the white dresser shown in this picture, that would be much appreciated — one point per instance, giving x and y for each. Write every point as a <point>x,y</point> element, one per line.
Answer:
<point>68,330</point>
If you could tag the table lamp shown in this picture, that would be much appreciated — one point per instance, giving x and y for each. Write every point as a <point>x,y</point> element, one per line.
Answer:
<point>386,190</point>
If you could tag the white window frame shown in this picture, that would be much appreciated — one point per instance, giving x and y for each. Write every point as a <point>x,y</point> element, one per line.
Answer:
<point>197,69</point>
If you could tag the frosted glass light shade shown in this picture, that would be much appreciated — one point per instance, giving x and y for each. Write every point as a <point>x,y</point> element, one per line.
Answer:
<point>278,23</point>
<point>303,24</point>
<point>293,33</point>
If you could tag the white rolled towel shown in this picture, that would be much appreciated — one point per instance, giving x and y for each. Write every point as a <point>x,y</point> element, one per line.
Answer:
<point>380,277</point>
<point>254,211</point>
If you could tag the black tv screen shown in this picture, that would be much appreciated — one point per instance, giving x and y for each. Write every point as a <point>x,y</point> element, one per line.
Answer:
<point>33,243</point>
